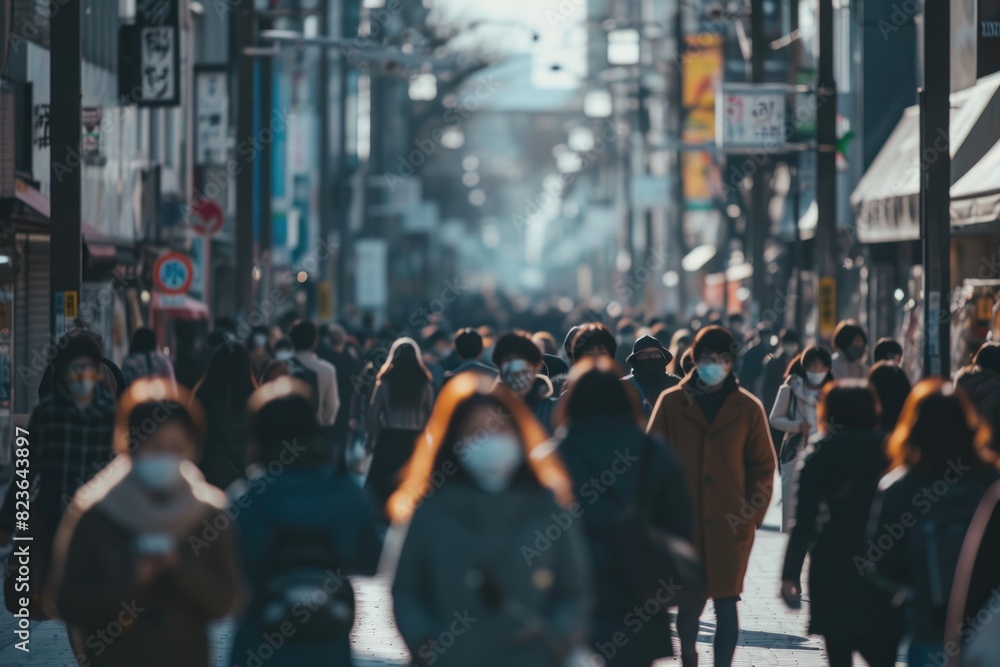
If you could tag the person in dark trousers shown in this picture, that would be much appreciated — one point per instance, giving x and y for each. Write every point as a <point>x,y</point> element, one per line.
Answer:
<point>131,551</point>
<point>457,551</point>
<point>981,381</point>
<point>942,467</point>
<point>721,436</point>
<point>520,363</point>
<point>308,506</point>
<point>223,393</point>
<point>144,360</point>
<point>758,347</point>
<point>840,471</point>
<point>888,349</point>
<point>649,374</point>
<point>469,348</point>
<point>892,387</point>
<point>347,363</point>
<point>70,434</point>
<point>400,406</point>
<point>605,432</point>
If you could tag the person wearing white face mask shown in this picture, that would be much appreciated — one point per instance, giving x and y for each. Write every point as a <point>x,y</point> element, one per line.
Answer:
<point>720,433</point>
<point>136,533</point>
<point>520,364</point>
<point>485,547</point>
<point>70,440</point>
<point>794,415</point>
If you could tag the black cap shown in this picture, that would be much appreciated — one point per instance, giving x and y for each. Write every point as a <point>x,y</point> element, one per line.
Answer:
<point>647,343</point>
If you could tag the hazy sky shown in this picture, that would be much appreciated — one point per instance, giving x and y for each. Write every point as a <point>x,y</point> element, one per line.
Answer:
<point>559,24</point>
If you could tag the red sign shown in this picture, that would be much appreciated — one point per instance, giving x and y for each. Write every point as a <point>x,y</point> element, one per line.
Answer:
<point>207,217</point>
<point>173,273</point>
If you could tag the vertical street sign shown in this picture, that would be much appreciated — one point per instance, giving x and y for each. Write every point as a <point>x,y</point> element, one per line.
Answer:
<point>149,60</point>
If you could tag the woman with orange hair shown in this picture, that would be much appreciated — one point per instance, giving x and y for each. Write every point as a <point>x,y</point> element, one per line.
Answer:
<point>489,556</point>
<point>124,553</point>
<point>923,508</point>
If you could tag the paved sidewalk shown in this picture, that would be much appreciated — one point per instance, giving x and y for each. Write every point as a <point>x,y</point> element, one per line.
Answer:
<point>770,635</point>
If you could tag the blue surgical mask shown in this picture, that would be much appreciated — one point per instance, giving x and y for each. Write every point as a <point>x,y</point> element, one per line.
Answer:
<point>816,378</point>
<point>81,388</point>
<point>711,374</point>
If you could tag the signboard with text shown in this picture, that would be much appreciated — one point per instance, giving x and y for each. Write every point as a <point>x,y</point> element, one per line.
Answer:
<point>751,116</point>
<point>149,72</point>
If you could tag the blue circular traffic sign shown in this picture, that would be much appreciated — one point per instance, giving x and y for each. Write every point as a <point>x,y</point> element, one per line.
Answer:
<point>173,273</point>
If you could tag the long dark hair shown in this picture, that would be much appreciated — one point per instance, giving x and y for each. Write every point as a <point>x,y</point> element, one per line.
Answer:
<point>405,373</point>
<point>228,382</point>
<point>892,387</point>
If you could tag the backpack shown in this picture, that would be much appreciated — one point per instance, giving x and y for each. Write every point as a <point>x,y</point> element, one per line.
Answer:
<point>299,371</point>
<point>304,586</point>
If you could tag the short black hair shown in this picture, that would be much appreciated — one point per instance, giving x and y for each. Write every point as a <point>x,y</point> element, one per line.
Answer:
<point>627,326</point>
<point>714,340</point>
<point>303,334</point>
<point>788,336</point>
<point>433,336</point>
<point>284,420</point>
<point>283,344</point>
<point>590,337</point>
<point>517,345</point>
<point>988,357</point>
<point>846,332</point>
<point>851,404</point>
<point>887,348</point>
<point>143,340</point>
<point>468,343</point>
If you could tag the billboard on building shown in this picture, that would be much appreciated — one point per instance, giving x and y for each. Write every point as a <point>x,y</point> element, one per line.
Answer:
<point>702,69</point>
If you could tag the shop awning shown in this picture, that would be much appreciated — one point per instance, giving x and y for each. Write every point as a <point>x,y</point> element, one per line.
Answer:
<point>180,307</point>
<point>975,198</point>
<point>31,197</point>
<point>886,200</point>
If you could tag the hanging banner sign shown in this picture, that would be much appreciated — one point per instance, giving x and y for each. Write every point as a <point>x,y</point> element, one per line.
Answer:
<point>750,116</point>
<point>149,61</point>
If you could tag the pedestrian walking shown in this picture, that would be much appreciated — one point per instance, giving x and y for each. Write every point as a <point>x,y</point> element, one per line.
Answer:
<point>520,364</point>
<point>892,387</point>
<point>223,393</point>
<point>110,376</point>
<point>144,360</point>
<point>981,381</point>
<point>469,348</point>
<point>69,433</point>
<point>130,552</point>
<point>400,407</point>
<point>346,361</point>
<point>605,439</point>
<point>776,365</point>
<point>593,339</point>
<point>851,346</point>
<point>488,566</point>
<point>839,473</point>
<point>721,435</point>
<point>260,351</point>
<point>306,365</point>
<point>649,376</point>
<point>300,536</point>
<point>794,415</point>
<point>942,467</point>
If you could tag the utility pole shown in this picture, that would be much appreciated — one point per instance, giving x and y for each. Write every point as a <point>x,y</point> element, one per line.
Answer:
<point>935,186</point>
<point>326,185</point>
<point>66,244</point>
<point>826,176</point>
<point>246,33</point>
<point>759,216</point>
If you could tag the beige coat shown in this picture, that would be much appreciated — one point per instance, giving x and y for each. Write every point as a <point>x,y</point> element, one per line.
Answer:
<point>729,466</point>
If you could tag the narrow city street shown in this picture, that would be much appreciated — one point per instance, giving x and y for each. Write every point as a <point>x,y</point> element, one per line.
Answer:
<point>770,633</point>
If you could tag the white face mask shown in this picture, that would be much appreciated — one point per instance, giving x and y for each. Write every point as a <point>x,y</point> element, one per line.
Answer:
<point>816,378</point>
<point>157,472</point>
<point>492,463</point>
<point>284,355</point>
<point>711,374</point>
<point>259,340</point>
<point>81,388</point>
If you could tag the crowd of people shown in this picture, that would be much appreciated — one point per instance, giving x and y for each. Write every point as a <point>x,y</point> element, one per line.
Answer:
<point>532,502</point>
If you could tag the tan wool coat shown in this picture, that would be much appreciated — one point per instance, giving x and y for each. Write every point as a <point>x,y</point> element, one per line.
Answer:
<point>729,466</point>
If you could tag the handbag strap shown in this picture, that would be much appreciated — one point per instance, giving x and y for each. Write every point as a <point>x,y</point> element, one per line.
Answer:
<point>793,404</point>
